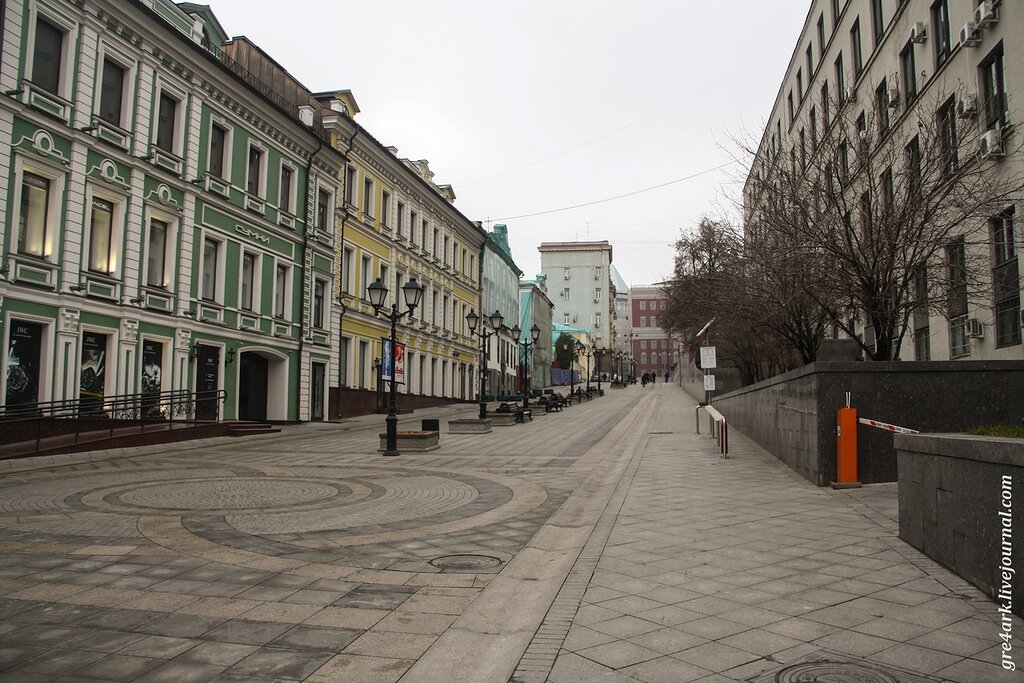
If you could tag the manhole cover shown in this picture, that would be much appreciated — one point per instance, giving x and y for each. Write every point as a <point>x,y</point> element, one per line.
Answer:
<point>465,563</point>
<point>829,667</point>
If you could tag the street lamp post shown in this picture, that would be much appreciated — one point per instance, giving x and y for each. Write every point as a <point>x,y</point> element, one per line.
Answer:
<point>588,353</point>
<point>600,354</point>
<point>377,292</point>
<point>527,345</point>
<point>571,348</point>
<point>495,319</point>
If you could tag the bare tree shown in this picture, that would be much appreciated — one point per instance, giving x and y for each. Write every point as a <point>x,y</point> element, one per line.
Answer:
<point>877,215</point>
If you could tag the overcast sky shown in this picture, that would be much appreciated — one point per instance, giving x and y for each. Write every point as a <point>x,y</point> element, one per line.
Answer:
<point>536,105</point>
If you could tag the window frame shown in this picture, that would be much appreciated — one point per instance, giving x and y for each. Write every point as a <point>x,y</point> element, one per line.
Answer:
<point>992,77</point>
<point>65,69</point>
<point>261,169</point>
<point>151,214</point>
<point>282,289</point>
<point>52,233</point>
<point>115,237</point>
<point>908,74</point>
<point>177,143</point>
<point>941,35</point>
<point>320,308</point>
<point>128,67</point>
<point>225,155</point>
<point>856,46</point>
<point>220,249</point>
<point>250,303</point>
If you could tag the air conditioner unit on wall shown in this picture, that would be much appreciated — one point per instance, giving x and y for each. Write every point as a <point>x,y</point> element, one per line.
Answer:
<point>974,328</point>
<point>892,98</point>
<point>986,14</point>
<point>919,32</point>
<point>970,35</point>
<point>990,145</point>
<point>967,105</point>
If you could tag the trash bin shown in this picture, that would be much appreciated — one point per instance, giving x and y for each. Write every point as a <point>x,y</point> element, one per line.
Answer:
<point>431,425</point>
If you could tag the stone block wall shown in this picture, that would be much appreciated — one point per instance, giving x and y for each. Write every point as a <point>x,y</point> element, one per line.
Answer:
<point>961,502</point>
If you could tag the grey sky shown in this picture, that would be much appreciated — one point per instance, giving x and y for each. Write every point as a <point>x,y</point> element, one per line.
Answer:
<point>536,105</point>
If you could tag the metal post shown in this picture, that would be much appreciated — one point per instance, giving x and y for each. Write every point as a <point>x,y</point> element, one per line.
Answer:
<point>392,419</point>
<point>483,373</point>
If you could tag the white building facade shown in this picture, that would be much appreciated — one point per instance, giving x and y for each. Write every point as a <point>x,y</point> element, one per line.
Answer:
<point>579,284</point>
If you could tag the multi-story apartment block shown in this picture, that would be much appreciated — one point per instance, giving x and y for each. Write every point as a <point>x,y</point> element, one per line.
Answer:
<point>580,283</point>
<point>927,89</point>
<point>501,293</point>
<point>622,326</point>
<point>535,308</point>
<point>397,225</point>
<point>167,212</point>
<point>651,345</point>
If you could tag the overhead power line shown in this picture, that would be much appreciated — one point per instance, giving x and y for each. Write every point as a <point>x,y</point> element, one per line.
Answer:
<point>616,197</point>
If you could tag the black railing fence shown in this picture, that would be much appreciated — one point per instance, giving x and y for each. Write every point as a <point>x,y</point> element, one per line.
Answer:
<point>101,416</point>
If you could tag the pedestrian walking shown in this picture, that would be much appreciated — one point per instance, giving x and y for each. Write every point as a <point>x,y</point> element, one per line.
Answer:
<point>666,377</point>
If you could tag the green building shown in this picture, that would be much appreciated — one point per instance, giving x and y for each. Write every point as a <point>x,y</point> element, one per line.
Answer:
<point>167,214</point>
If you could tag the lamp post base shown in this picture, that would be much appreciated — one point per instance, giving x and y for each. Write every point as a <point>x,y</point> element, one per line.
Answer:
<point>392,434</point>
<point>483,410</point>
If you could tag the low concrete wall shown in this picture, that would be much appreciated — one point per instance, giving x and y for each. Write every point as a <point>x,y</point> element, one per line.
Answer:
<point>962,504</point>
<point>346,402</point>
<point>793,415</point>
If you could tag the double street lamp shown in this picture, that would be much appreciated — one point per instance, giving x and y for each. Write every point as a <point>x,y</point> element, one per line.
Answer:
<point>570,347</point>
<point>600,353</point>
<point>588,353</point>
<point>412,293</point>
<point>495,320</point>
<point>527,379</point>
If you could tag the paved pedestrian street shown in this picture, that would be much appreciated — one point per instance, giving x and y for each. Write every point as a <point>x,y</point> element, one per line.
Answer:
<point>607,542</point>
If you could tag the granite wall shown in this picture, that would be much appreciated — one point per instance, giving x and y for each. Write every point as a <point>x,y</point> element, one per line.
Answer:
<point>961,503</point>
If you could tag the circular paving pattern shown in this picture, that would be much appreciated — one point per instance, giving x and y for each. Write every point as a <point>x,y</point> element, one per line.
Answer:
<point>227,494</point>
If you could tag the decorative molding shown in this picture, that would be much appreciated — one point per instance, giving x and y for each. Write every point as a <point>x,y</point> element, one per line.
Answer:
<point>162,194</point>
<point>42,143</point>
<point>107,170</point>
<point>252,234</point>
<point>69,319</point>
<point>129,331</point>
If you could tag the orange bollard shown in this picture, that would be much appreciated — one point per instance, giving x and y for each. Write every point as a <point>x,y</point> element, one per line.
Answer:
<point>846,449</point>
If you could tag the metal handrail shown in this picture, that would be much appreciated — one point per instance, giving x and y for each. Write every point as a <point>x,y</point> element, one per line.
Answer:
<point>717,426</point>
<point>87,414</point>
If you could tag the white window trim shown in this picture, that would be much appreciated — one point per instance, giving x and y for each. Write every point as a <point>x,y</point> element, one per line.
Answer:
<point>130,66</point>
<point>117,228</point>
<point>218,297</point>
<point>179,93</point>
<point>170,250</point>
<point>68,46</point>
<point>368,200</point>
<point>257,277</point>
<point>229,138</point>
<point>286,314</point>
<point>54,208</point>
<point>331,204</point>
<point>348,257</point>
<point>293,183</point>
<point>261,181</point>
<point>325,324</point>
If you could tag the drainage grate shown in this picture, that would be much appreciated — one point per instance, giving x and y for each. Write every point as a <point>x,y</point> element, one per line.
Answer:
<point>830,667</point>
<point>465,563</point>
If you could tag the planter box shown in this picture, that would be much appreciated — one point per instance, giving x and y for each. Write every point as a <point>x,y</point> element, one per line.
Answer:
<point>413,441</point>
<point>501,419</point>
<point>961,503</point>
<point>469,426</point>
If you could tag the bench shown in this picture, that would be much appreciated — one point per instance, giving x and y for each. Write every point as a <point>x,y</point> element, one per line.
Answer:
<point>514,409</point>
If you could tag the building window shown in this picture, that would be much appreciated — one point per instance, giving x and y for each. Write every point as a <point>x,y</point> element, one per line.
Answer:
<point>413,222</point>
<point>810,64</point>
<point>444,254</point>
<point>789,107</point>
<point>993,90</point>
<point>597,320</point>
<point>254,175</point>
<point>835,14</point>
<point>825,109</point>
<point>1006,280</point>
<point>166,122</point>
<point>643,304</point>
<point>385,208</point>
<point>840,80</point>
<point>947,137</point>
<point>156,253</point>
<point>211,256</point>
<point>877,21</point>
<point>319,289</point>
<point>102,258</point>
<point>940,31</point>
<point>400,220</point>
<point>249,265</point>
<point>47,56</point>
<point>367,196</point>
<point>218,140</point>
<point>436,235</point>
<point>285,203</point>
<point>424,231</point>
<point>956,292</point>
<point>112,92</point>
<point>364,274</point>
<point>913,154</point>
<point>813,118</point>
<point>350,185</point>
<point>908,73</point>
<point>821,36</point>
<point>922,334</point>
<point>346,270</point>
<point>323,210</point>
<point>803,150</point>
<point>858,57</point>
<point>34,228</point>
<point>882,108</point>
<point>565,319</point>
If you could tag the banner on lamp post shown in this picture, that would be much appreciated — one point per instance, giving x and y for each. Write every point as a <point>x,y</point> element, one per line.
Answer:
<point>385,362</point>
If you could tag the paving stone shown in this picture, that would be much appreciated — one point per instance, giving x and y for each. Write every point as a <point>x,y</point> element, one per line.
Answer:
<point>275,663</point>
